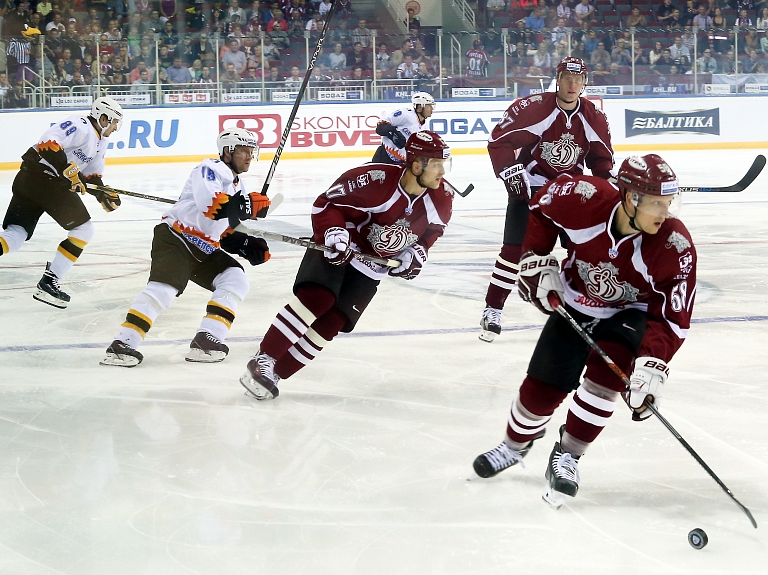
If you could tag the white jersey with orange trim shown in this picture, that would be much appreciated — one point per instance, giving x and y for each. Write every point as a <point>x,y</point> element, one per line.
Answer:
<point>407,122</point>
<point>206,192</point>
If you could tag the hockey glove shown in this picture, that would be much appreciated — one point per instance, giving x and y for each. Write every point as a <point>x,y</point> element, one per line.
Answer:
<point>72,173</point>
<point>108,199</point>
<point>646,385</point>
<point>411,260</point>
<point>538,276</point>
<point>248,206</point>
<point>516,181</point>
<point>255,250</point>
<point>338,240</point>
<point>397,138</point>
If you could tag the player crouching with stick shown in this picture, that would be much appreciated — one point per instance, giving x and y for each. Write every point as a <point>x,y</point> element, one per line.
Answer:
<point>629,280</point>
<point>376,209</point>
<point>186,246</point>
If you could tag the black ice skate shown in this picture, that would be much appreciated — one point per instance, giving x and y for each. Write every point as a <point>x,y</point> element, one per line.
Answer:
<point>490,324</point>
<point>121,355</point>
<point>49,291</point>
<point>205,348</point>
<point>501,457</point>
<point>562,475</point>
<point>260,381</point>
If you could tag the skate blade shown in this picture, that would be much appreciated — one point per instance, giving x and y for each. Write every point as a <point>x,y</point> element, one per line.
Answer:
<point>487,336</point>
<point>200,356</point>
<point>552,498</point>
<point>120,361</point>
<point>47,298</point>
<point>254,389</point>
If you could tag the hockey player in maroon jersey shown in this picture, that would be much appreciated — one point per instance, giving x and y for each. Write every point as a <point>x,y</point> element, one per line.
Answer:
<point>537,139</point>
<point>385,210</point>
<point>629,280</point>
<point>477,61</point>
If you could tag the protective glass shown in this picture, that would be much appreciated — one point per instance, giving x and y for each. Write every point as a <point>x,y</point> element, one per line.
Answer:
<point>658,206</point>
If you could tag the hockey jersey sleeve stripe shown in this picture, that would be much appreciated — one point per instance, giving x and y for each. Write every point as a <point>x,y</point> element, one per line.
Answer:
<point>432,216</point>
<point>373,209</point>
<point>592,135</point>
<point>639,264</point>
<point>219,200</point>
<point>48,146</point>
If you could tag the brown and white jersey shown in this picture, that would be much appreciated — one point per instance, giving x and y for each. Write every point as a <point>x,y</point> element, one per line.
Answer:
<point>602,275</point>
<point>381,218</point>
<point>548,141</point>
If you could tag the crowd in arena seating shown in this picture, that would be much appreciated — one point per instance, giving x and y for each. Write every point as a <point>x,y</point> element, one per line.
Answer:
<point>132,46</point>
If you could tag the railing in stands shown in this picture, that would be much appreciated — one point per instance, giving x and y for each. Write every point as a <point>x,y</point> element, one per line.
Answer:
<point>467,13</point>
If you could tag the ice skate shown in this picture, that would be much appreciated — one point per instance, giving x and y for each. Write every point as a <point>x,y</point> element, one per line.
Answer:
<point>121,355</point>
<point>205,348</point>
<point>490,324</point>
<point>501,457</point>
<point>562,476</point>
<point>260,381</point>
<point>49,291</point>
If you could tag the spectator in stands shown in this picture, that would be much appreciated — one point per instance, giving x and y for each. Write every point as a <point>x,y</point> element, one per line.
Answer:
<point>636,19</point>
<point>324,7</point>
<point>541,58</point>
<point>320,74</point>
<point>664,64</point>
<point>620,55</point>
<point>743,21</point>
<point>706,64</point>
<point>591,42</point>
<point>16,98</point>
<point>398,55</point>
<point>341,34</point>
<point>535,21</point>
<point>361,33</point>
<point>598,73</point>
<point>235,10</point>
<point>559,32</point>
<point>727,66</point>
<point>178,74</point>
<point>492,42</point>
<point>580,51</point>
<point>235,56</point>
<point>750,41</point>
<point>205,77</point>
<point>675,21</point>
<point>252,74</point>
<point>315,24</point>
<point>640,55</point>
<point>278,29</point>
<point>270,50</point>
<point>600,55</point>
<point>166,58</point>
<point>718,35</point>
<point>140,84</point>
<point>383,61</point>
<point>564,11</point>
<point>676,50</point>
<point>230,77</point>
<point>274,75</point>
<point>417,52</point>
<point>296,25</point>
<point>750,63</point>
<point>293,82</point>
<point>656,52</point>
<point>585,11</point>
<point>141,65</point>
<point>407,69</point>
<point>5,86</point>
<point>762,19</point>
<point>664,12</point>
<point>186,50</point>
<point>491,7</point>
<point>764,43</point>
<point>154,23</point>
<point>337,59</point>
<point>118,80</point>
<point>357,57</point>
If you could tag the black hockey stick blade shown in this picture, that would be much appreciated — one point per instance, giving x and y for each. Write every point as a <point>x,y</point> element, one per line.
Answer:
<point>451,188</point>
<point>741,185</point>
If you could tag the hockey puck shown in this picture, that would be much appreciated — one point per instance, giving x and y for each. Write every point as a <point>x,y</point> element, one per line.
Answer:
<point>697,538</point>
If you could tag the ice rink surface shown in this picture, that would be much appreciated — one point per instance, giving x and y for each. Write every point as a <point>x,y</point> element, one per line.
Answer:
<point>361,466</point>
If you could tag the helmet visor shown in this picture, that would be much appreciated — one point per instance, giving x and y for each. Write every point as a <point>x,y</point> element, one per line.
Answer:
<point>658,206</point>
<point>438,167</point>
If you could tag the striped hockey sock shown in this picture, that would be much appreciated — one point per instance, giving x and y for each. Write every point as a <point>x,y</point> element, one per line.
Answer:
<point>504,276</point>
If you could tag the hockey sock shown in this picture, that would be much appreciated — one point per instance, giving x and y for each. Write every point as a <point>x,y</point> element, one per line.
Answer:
<point>292,322</point>
<point>504,276</point>
<point>71,248</point>
<point>322,331</point>
<point>595,399</point>
<point>230,288</point>
<point>531,411</point>
<point>144,311</point>
<point>11,239</point>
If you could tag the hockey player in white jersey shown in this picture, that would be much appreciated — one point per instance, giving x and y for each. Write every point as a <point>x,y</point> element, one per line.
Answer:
<point>68,155</point>
<point>396,127</point>
<point>190,244</point>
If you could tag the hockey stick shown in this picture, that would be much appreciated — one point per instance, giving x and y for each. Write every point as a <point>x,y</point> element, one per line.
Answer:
<point>312,245</point>
<point>299,97</point>
<point>554,301</point>
<point>276,200</point>
<point>452,189</point>
<point>741,185</point>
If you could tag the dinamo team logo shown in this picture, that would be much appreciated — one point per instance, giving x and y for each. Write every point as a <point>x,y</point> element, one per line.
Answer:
<point>602,284</point>
<point>561,154</point>
<point>392,239</point>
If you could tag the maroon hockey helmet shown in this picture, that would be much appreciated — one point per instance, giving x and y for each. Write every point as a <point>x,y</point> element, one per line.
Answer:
<point>648,174</point>
<point>574,66</point>
<point>426,144</point>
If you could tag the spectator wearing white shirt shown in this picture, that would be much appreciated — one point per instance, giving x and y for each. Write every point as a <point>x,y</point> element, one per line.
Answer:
<point>408,68</point>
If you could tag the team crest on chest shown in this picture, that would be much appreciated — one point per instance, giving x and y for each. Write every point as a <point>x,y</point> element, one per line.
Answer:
<point>603,285</point>
<point>391,239</point>
<point>678,241</point>
<point>561,154</point>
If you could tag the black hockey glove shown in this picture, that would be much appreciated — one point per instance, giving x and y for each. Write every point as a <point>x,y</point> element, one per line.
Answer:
<point>397,137</point>
<point>516,181</point>
<point>109,200</point>
<point>255,250</point>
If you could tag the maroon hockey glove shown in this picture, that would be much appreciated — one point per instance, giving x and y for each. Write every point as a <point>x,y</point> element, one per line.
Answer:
<point>516,181</point>
<point>538,276</point>
<point>411,258</point>
<point>338,240</point>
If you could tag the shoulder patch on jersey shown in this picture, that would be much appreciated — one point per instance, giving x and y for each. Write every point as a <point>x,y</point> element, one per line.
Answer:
<point>536,98</point>
<point>377,175</point>
<point>678,241</point>
<point>585,190</point>
<point>686,262</point>
<point>398,113</point>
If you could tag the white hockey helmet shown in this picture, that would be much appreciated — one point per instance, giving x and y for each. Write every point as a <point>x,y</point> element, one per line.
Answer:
<point>108,107</point>
<point>422,98</point>
<point>233,137</point>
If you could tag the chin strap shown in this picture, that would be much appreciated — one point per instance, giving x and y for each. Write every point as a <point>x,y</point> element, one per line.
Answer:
<point>631,218</point>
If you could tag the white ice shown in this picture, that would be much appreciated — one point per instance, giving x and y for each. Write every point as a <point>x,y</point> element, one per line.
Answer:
<point>361,466</point>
